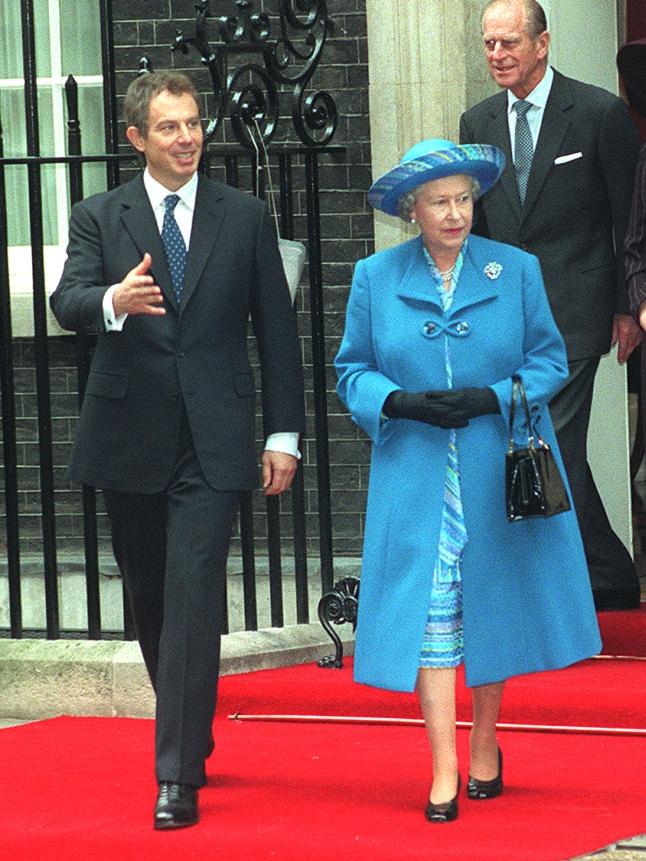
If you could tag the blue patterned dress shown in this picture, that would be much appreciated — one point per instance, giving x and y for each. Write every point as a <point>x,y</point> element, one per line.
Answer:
<point>443,644</point>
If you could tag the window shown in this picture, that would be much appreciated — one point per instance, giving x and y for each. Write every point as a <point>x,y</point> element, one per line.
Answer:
<point>68,41</point>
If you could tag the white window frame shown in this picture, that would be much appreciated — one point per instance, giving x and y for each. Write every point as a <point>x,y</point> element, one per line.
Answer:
<point>19,256</point>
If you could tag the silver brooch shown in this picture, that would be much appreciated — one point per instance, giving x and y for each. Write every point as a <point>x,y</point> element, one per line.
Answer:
<point>492,270</point>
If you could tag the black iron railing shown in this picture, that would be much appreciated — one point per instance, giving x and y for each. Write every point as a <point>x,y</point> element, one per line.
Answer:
<point>296,167</point>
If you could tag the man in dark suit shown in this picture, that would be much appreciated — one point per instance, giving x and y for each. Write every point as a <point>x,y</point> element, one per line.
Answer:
<point>565,196</point>
<point>166,271</point>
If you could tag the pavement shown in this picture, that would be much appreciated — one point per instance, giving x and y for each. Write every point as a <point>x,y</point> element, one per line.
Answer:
<point>631,849</point>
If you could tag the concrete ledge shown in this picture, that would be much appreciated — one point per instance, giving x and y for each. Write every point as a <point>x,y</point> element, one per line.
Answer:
<point>44,678</point>
<point>72,591</point>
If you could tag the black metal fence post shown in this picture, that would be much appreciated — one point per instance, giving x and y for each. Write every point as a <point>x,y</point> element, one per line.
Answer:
<point>319,370</point>
<point>8,393</point>
<point>91,544</point>
<point>110,117</point>
<point>40,324</point>
<point>299,531</point>
<point>314,123</point>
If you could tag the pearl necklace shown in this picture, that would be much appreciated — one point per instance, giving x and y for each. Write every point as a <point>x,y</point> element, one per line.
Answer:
<point>448,273</point>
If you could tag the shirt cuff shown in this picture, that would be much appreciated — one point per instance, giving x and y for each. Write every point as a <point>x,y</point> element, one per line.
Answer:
<point>110,319</point>
<point>285,442</point>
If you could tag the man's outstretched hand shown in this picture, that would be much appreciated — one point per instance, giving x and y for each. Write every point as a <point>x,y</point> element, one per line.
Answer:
<point>137,293</point>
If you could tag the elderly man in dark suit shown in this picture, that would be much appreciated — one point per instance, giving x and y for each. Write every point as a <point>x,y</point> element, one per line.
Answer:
<point>631,61</point>
<point>166,271</point>
<point>565,196</point>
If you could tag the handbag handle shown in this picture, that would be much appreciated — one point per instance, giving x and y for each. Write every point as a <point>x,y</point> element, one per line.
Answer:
<point>261,147</point>
<point>518,390</point>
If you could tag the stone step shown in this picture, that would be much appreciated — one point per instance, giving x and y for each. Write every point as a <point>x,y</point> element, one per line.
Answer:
<point>44,678</point>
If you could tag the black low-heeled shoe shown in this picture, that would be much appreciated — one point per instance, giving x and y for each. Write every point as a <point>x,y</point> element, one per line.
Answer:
<point>478,790</point>
<point>445,812</point>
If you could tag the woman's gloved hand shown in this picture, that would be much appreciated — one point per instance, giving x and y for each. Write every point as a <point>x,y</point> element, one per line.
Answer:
<point>445,409</point>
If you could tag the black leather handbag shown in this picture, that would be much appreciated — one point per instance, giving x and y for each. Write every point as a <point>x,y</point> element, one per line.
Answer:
<point>534,486</point>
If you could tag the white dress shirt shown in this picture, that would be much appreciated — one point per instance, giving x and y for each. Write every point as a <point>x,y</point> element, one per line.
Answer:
<point>538,97</point>
<point>287,441</point>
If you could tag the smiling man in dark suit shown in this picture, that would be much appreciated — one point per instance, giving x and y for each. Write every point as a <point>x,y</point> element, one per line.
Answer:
<point>166,271</point>
<point>565,196</point>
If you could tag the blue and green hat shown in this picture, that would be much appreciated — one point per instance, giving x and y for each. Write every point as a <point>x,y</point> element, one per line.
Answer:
<point>435,159</point>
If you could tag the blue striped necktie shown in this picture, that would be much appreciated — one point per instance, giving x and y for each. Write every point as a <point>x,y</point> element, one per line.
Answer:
<point>523,147</point>
<point>174,246</point>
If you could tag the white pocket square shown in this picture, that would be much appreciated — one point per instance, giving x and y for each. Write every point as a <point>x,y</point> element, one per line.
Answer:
<point>562,159</point>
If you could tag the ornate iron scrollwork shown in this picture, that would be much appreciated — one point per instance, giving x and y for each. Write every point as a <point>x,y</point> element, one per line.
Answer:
<point>251,92</point>
<point>337,607</point>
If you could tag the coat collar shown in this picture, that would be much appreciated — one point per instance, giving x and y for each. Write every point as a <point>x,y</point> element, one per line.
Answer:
<point>473,287</point>
<point>138,219</point>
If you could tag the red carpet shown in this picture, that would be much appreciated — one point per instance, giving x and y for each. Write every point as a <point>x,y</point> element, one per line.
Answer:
<point>82,788</point>
<point>599,692</point>
<point>624,632</point>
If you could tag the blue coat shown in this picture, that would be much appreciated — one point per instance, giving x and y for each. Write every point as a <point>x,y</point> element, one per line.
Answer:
<point>527,602</point>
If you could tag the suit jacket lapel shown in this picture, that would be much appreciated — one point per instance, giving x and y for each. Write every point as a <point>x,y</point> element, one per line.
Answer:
<point>556,122</point>
<point>498,135</point>
<point>139,220</point>
<point>207,220</point>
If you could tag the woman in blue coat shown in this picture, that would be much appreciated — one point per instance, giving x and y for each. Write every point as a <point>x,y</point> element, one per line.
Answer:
<point>435,330</point>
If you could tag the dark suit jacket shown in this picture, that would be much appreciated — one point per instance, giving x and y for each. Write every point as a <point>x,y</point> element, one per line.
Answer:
<point>130,418</point>
<point>575,211</point>
<point>636,241</point>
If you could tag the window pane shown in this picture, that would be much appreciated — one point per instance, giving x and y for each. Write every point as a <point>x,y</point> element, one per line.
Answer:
<point>10,41</point>
<point>11,106</point>
<point>47,173</point>
<point>80,37</point>
<point>43,47</point>
<point>76,36</point>
<point>12,113</point>
<point>92,137</point>
<point>15,178</point>
<point>91,117</point>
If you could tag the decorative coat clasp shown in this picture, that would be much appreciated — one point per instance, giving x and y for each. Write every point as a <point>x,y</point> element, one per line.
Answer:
<point>457,328</point>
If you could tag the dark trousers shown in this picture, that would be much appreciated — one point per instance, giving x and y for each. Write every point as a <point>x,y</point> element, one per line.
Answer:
<point>611,567</point>
<point>171,548</point>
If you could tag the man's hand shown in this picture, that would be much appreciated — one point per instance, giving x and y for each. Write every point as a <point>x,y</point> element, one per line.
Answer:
<point>137,294</point>
<point>626,334</point>
<point>642,316</point>
<point>278,470</point>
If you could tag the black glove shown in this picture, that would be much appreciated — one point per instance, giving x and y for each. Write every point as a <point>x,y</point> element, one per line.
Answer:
<point>445,409</point>
<point>416,406</point>
<point>460,405</point>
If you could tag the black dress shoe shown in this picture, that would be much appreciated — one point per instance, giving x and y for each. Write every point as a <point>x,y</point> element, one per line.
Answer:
<point>445,812</point>
<point>616,599</point>
<point>176,805</point>
<point>478,790</point>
